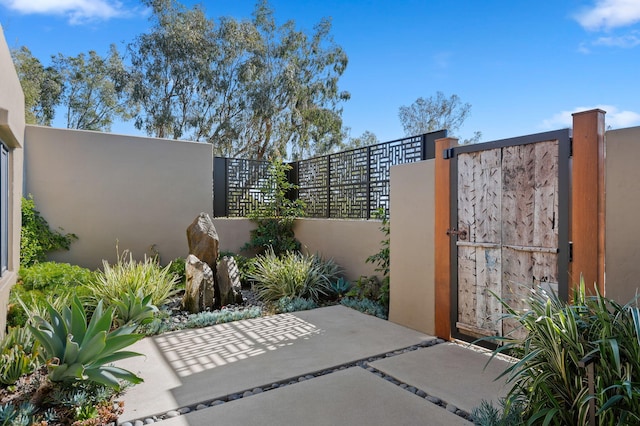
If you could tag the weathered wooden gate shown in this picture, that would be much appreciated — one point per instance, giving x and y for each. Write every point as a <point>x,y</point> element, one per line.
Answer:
<point>510,206</point>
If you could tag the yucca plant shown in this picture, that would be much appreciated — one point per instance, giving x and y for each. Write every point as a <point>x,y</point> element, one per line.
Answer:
<point>293,275</point>
<point>548,381</point>
<point>128,274</point>
<point>77,351</point>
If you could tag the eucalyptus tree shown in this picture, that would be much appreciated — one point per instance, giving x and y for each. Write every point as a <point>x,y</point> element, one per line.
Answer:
<point>436,113</point>
<point>250,87</point>
<point>94,90</point>
<point>42,87</point>
<point>170,69</point>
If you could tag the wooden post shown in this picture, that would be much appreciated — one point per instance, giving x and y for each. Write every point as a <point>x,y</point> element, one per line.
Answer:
<point>587,200</point>
<point>442,240</point>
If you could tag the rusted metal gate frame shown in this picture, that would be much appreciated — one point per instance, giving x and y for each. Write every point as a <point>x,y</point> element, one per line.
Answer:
<point>564,193</point>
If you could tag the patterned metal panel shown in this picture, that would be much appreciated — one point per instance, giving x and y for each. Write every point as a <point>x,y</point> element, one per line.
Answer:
<point>350,184</point>
<point>244,180</point>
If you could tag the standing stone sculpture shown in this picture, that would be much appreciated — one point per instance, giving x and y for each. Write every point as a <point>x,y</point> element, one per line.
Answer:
<point>200,287</point>
<point>210,284</point>
<point>203,240</point>
<point>228,280</point>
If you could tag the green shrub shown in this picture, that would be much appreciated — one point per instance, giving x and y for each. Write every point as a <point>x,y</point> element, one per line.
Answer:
<point>18,355</point>
<point>293,275</point>
<point>77,351</point>
<point>366,288</point>
<point>366,306</point>
<point>548,381</point>
<point>275,216</point>
<point>36,238</point>
<point>29,304</point>
<point>288,304</point>
<point>46,275</point>
<point>381,258</point>
<point>145,277</point>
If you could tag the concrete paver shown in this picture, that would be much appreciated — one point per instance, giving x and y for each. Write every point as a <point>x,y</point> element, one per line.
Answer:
<point>186,367</point>
<point>350,397</point>
<point>450,372</point>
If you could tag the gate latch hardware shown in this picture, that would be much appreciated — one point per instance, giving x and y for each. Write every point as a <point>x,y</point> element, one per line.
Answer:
<point>462,234</point>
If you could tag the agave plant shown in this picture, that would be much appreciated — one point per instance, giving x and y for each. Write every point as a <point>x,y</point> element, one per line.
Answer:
<point>77,351</point>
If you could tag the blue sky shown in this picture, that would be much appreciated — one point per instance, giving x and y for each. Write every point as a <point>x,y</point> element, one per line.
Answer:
<point>524,66</point>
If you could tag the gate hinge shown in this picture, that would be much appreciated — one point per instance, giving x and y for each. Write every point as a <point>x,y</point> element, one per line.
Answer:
<point>448,153</point>
<point>570,147</point>
<point>570,251</point>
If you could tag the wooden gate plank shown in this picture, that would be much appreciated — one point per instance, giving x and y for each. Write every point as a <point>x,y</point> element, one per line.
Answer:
<point>488,183</point>
<point>467,164</point>
<point>488,279</point>
<point>546,195</point>
<point>517,268</point>
<point>467,285</point>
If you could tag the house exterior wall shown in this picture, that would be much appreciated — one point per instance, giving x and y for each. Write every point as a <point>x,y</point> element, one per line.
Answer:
<point>12,134</point>
<point>622,228</point>
<point>110,189</point>
<point>412,287</point>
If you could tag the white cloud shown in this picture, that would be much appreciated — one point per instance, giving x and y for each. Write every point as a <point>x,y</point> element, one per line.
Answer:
<point>608,14</point>
<point>614,118</point>
<point>77,11</point>
<point>627,41</point>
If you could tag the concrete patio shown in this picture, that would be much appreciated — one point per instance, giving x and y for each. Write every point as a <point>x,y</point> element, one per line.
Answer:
<point>326,366</point>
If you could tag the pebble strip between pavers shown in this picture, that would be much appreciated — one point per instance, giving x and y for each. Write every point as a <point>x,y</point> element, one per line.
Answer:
<point>363,363</point>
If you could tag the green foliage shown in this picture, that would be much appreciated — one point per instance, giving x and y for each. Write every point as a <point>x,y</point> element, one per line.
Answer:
<point>488,415</point>
<point>14,363</point>
<point>176,268</point>
<point>36,238</point>
<point>249,86</point>
<point>34,303</point>
<point>437,112</point>
<point>288,304</point>
<point>548,381</point>
<point>381,259</point>
<point>205,319</point>
<point>47,275</point>
<point>94,89</point>
<point>77,351</point>
<point>41,86</point>
<point>293,275</point>
<point>275,216</point>
<point>145,277</point>
<point>340,287</point>
<point>134,308</point>
<point>366,306</point>
<point>368,288</point>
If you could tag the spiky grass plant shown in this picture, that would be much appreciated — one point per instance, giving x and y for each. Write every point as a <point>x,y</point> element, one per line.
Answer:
<point>548,380</point>
<point>293,274</point>
<point>140,277</point>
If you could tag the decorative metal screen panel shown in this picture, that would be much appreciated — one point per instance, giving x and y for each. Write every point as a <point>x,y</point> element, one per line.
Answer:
<point>354,183</point>
<point>348,184</point>
<point>245,178</point>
